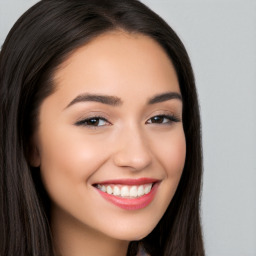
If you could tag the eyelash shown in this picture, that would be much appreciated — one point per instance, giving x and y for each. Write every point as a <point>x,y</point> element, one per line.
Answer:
<point>170,119</point>
<point>97,119</point>
<point>84,122</point>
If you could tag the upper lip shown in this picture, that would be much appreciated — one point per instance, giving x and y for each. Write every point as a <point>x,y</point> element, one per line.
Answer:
<point>140,181</point>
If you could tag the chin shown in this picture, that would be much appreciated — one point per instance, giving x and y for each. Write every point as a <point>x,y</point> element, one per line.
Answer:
<point>131,233</point>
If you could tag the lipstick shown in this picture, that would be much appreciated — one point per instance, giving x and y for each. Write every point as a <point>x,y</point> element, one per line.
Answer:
<point>128,194</point>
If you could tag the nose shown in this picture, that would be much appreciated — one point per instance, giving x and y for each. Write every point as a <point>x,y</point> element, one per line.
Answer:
<point>133,150</point>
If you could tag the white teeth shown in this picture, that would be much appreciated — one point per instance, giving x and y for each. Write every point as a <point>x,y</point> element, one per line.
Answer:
<point>116,191</point>
<point>148,188</point>
<point>133,191</point>
<point>125,190</point>
<point>141,190</point>
<point>109,190</point>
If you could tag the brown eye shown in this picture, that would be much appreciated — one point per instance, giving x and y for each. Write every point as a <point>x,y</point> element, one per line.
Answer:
<point>93,122</point>
<point>158,119</point>
<point>162,119</point>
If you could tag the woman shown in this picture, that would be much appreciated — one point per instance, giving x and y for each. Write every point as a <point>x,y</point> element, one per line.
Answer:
<point>100,133</point>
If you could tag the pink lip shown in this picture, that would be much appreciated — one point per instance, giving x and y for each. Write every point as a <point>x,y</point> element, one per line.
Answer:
<point>127,203</point>
<point>137,182</point>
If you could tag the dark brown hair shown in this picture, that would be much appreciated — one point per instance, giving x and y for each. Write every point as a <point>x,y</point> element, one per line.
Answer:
<point>37,44</point>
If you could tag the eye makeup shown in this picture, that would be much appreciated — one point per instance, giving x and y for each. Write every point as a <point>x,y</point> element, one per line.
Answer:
<point>163,119</point>
<point>94,121</point>
<point>98,121</point>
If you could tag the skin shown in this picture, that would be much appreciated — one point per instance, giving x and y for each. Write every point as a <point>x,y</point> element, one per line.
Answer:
<point>129,144</point>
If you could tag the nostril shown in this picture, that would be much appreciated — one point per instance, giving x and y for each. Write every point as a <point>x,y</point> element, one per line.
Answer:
<point>132,159</point>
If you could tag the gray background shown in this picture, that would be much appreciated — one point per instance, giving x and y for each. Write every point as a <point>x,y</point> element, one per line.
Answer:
<point>220,37</point>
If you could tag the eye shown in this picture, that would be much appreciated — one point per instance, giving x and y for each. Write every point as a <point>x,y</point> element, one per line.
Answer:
<point>93,122</point>
<point>163,119</point>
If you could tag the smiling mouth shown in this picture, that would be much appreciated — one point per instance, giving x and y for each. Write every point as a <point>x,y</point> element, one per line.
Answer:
<point>129,194</point>
<point>125,191</point>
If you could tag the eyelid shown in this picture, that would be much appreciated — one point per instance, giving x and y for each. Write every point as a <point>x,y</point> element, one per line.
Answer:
<point>173,113</point>
<point>82,121</point>
<point>171,117</point>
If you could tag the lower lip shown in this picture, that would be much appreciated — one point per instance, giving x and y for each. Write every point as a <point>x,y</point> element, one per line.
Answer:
<point>128,203</point>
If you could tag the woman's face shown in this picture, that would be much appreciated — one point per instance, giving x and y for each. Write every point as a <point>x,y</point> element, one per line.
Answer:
<point>110,141</point>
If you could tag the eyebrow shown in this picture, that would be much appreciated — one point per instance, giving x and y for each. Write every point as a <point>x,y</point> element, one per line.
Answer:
<point>164,97</point>
<point>115,101</point>
<point>104,99</point>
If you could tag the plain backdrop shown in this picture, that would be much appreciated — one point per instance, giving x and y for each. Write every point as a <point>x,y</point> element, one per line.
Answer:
<point>220,36</point>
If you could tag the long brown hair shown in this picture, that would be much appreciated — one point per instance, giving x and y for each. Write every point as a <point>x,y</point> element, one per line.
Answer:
<point>37,44</point>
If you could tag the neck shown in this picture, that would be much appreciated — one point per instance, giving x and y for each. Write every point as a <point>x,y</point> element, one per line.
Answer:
<point>73,238</point>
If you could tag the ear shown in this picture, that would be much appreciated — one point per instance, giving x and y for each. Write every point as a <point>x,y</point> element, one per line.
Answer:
<point>34,153</point>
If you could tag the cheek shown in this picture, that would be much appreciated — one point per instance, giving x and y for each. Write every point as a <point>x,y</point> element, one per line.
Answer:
<point>177,156</point>
<point>68,159</point>
<point>172,153</point>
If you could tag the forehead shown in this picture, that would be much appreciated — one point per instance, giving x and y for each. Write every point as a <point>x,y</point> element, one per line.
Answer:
<point>120,62</point>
